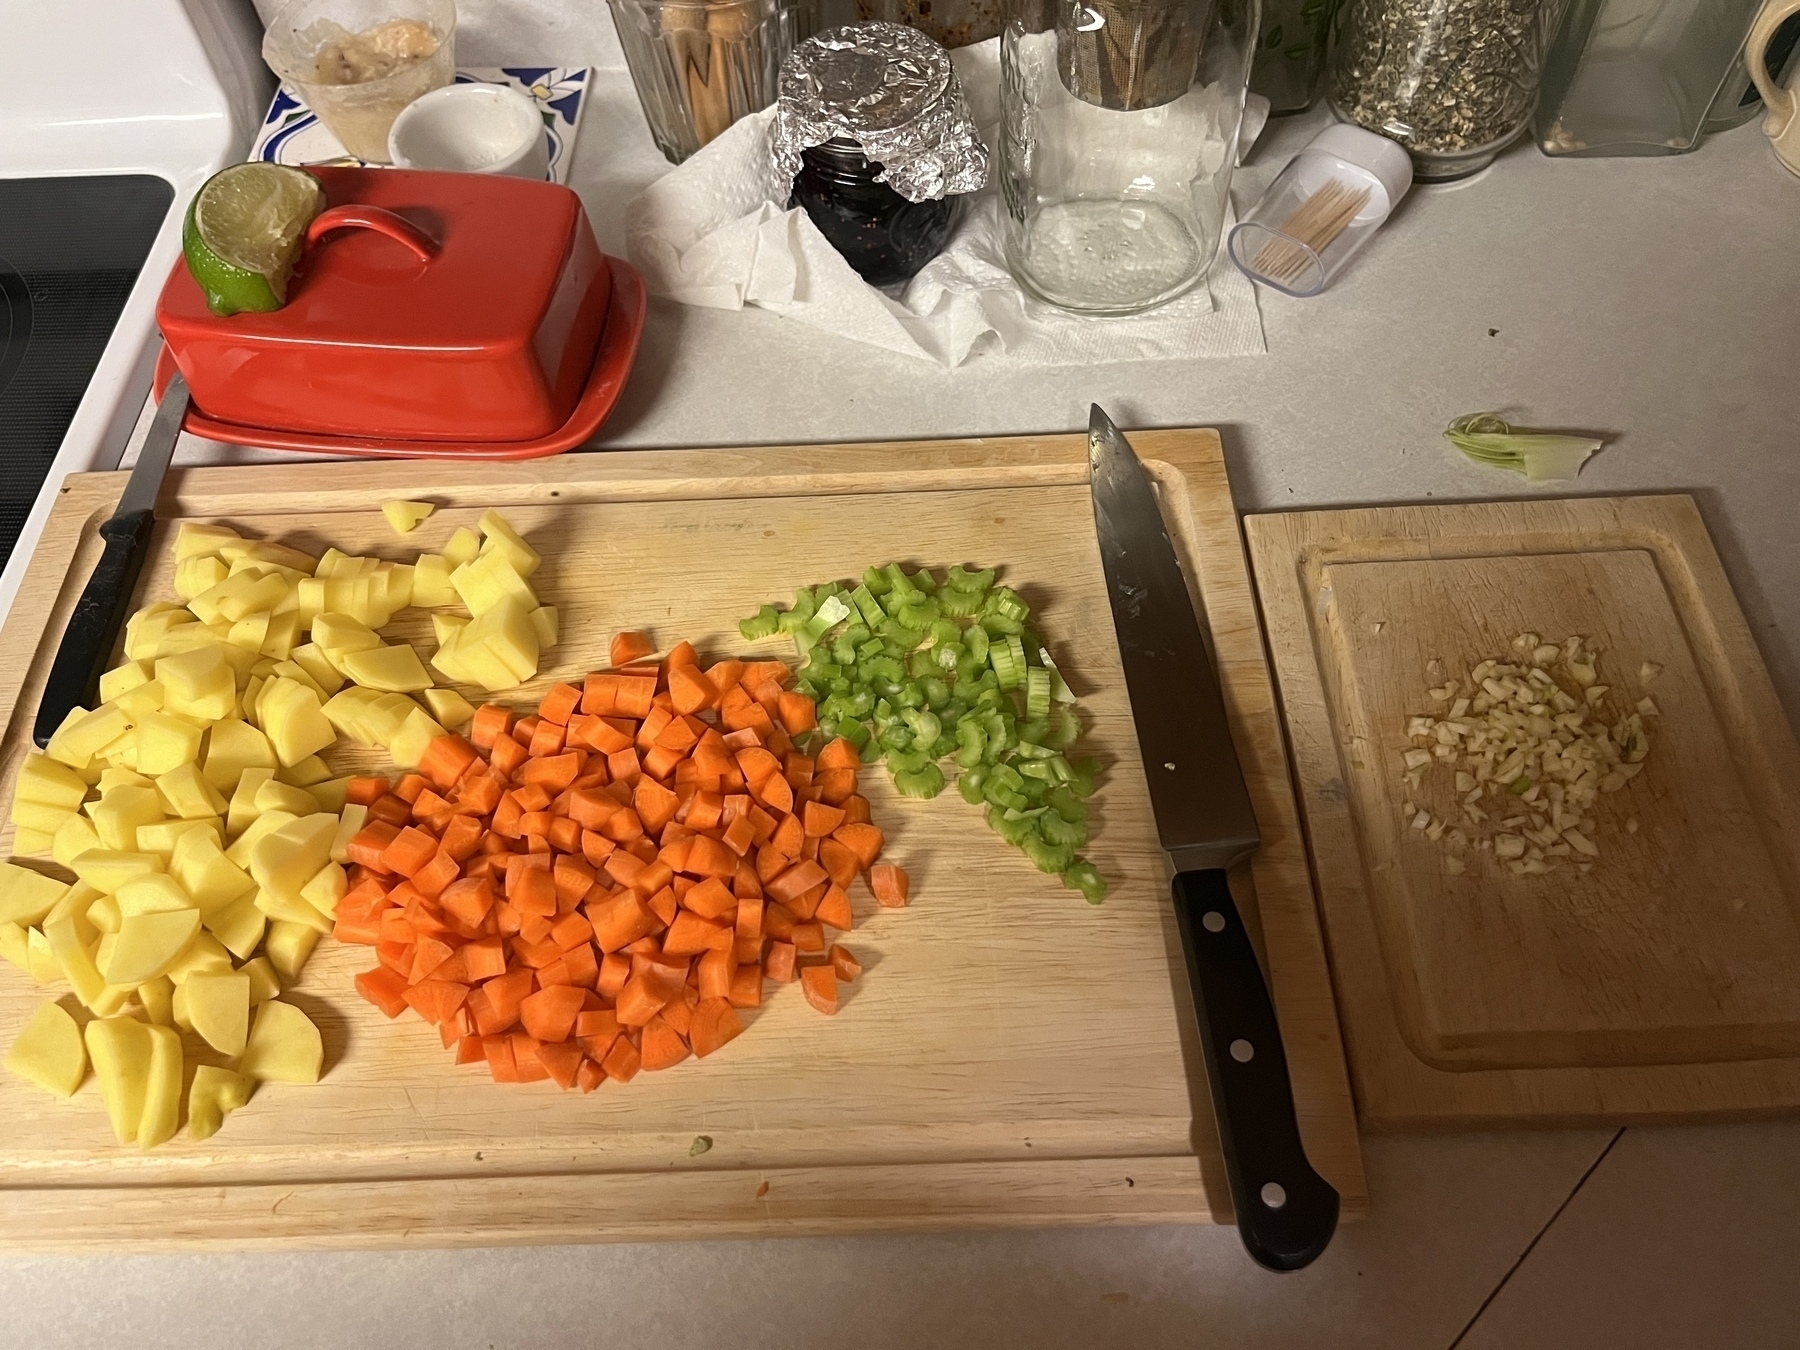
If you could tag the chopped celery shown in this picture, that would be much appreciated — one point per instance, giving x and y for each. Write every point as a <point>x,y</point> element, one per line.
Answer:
<point>926,782</point>
<point>915,670</point>
<point>1083,876</point>
<point>760,625</point>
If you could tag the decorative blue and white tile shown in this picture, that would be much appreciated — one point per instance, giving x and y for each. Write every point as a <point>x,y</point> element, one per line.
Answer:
<point>293,134</point>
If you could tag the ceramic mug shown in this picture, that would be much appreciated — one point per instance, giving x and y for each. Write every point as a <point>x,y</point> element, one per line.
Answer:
<point>1782,125</point>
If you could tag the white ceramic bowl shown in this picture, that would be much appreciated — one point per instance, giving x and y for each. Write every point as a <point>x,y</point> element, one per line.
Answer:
<point>472,128</point>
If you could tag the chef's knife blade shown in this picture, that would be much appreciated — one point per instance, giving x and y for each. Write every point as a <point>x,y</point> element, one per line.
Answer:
<point>88,640</point>
<point>1286,1212</point>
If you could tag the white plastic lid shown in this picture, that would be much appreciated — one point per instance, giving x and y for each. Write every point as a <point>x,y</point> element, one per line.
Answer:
<point>1386,159</point>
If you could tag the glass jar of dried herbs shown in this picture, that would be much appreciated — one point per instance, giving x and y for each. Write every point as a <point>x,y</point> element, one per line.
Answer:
<point>1454,81</point>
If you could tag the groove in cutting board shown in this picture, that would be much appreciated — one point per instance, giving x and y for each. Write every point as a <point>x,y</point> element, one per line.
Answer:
<point>1665,982</point>
<point>1013,1056</point>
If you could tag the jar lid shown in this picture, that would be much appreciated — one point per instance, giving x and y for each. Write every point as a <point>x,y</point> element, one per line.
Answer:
<point>1386,160</point>
<point>891,90</point>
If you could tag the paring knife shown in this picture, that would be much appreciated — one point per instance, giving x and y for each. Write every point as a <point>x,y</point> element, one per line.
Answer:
<point>1286,1212</point>
<point>88,640</point>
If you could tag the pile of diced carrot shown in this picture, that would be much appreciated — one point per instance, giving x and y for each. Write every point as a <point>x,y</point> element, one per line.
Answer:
<point>600,887</point>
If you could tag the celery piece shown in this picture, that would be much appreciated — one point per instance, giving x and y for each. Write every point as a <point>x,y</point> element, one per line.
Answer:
<point>1065,730</point>
<point>907,761</point>
<point>875,582</point>
<point>976,638</point>
<point>1002,601</point>
<point>867,605</point>
<point>959,604</point>
<point>999,625</point>
<point>1048,857</point>
<point>1037,692</point>
<point>923,783</point>
<point>975,582</point>
<point>1056,830</point>
<point>1083,876</point>
<point>760,625</point>
<point>969,784</point>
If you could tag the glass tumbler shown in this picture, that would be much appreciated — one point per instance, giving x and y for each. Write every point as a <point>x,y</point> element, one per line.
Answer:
<point>357,63</point>
<point>1118,134</point>
<point>700,67</point>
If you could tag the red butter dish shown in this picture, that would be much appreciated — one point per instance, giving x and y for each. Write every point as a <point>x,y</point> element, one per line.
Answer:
<point>430,314</point>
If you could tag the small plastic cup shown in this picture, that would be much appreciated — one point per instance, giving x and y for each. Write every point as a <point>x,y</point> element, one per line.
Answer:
<point>1321,209</point>
<point>319,46</point>
<point>472,128</point>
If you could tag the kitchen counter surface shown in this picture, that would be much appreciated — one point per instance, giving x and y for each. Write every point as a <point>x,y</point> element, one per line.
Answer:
<point>1655,302</point>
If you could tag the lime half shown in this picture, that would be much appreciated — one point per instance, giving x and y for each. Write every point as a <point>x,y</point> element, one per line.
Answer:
<point>244,230</point>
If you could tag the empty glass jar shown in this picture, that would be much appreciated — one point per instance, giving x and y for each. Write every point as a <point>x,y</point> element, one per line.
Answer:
<point>1118,135</point>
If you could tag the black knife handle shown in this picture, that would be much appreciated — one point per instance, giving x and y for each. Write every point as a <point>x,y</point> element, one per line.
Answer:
<point>88,640</point>
<point>1286,1212</point>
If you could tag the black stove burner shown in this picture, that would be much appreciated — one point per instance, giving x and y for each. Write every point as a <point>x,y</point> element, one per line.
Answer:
<point>70,252</point>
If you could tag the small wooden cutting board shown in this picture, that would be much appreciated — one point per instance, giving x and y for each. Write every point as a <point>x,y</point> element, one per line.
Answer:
<point>1664,980</point>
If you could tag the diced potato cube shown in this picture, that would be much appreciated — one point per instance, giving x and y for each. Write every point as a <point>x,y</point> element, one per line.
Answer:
<point>103,914</point>
<point>266,823</point>
<point>284,1046</point>
<point>544,619</point>
<point>27,896</point>
<point>153,894</point>
<point>194,540</point>
<point>142,698</point>
<point>449,708</point>
<point>308,771</point>
<point>75,959</point>
<point>284,631</point>
<point>146,945</point>
<point>329,795</point>
<point>74,836</point>
<point>326,888</point>
<point>445,627</point>
<point>107,869</point>
<point>464,547</point>
<point>280,909</point>
<point>311,658</point>
<point>206,874</point>
<point>293,670</point>
<point>162,1088</point>
<point>158,998</point>
<point>293,720</point>
<point>38,817</point>
<point>263,982</point>
<point>250,632</point>
<point>507,632</point>
<point>101,727</point>
<point>40,961</point>
<point>243,810</point>
<point>126,675</point>
<point>215,1093</point>
<point>50,1052</point>
<point>218,1005</point>
<point>193,675</point>
<point>120,1049</point>
<point>278,796</point>
<point>15,947</point>
<point>418,731</point>
<point>431,581</point>
<point>490,579</point>
<point>239,926</point>
<point>42,779</point>
<point>232,747</point>
<point>288,946</point>
<point>162,837</point>
<point>166,742</point>
<point>186,793</point>
<point>197,576</point>
<point>405,516</point>
<point>338,633</point>
<point>286,859</point>
<point>392,669</point>
<point>350,822</point>
<point>120,811</point>
<point>206,953</point>
<point>500,537</point>
<point>30,843</point>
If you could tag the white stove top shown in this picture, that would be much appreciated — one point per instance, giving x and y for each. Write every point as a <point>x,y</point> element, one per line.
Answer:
<point>169,88</point>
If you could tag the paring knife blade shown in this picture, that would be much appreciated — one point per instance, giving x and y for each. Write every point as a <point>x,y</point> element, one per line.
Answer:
<point>88,640</point>
<point>1286,1212</point>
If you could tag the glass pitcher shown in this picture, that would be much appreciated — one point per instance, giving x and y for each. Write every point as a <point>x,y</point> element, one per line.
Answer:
<point>1118,134</point>
<point>1637,77</point>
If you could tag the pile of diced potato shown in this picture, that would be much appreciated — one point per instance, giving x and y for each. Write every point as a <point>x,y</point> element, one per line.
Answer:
<point>212,857</point>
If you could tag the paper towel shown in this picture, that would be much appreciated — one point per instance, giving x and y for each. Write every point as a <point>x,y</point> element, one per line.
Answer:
<point>712,233</point>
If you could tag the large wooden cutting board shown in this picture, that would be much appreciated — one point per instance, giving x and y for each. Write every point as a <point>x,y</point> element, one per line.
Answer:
<point>1012,1056</point>
<point>1664,981</point>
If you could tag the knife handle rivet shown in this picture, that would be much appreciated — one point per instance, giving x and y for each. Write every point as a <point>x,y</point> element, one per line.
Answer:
<point>1169,767</point>
<point>1242,1051</point>
<point>1272,1194</point>
<point>1213,921</point>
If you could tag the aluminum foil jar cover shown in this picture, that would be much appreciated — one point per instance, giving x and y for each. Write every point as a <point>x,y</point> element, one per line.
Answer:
<point>891,90</point>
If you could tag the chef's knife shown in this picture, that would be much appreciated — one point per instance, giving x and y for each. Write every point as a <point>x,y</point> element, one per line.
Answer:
<point>87,642</point>
<point>1286,1212</point>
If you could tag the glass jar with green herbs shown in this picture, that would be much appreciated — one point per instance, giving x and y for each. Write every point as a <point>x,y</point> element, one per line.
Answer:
<point>1454,81</point>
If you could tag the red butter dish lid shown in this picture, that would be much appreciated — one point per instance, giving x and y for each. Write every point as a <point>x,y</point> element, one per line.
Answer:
<point>425,307</point>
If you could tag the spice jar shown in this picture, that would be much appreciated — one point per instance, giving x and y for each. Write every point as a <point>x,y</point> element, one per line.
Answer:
<point>873,134</point>
<point>1454,81</point>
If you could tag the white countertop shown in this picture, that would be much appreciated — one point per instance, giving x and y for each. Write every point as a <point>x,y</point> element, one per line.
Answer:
<point>1655,302</point>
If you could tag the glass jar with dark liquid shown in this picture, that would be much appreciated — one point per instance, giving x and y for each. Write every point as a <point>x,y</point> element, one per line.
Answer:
<point>881,234</point>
